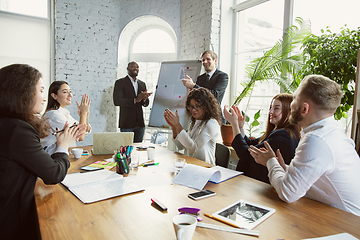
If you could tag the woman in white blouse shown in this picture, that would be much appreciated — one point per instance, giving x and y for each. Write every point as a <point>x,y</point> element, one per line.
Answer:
<point>200,140</point>
<point>58,98</point>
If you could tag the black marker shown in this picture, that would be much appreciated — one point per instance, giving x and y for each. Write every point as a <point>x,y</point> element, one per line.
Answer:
<point>63,130</point>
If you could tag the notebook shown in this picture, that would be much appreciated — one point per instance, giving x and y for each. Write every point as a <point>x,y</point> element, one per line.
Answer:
<point>196,177</point>
<point>99,185</point>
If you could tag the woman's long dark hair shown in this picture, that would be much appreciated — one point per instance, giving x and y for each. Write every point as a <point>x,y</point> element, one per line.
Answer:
<point>54,88</point>
<point>208,103</point>
<point>294,130</point>
<point>17,96</point>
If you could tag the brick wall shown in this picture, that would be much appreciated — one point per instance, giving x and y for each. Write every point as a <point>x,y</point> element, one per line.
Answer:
<point>200,27</point>
<point>86,44</point>
<point>86,39</point>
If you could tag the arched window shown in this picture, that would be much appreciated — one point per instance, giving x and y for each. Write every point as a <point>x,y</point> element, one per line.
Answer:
<point>147,40</point>
<point>153,43</point>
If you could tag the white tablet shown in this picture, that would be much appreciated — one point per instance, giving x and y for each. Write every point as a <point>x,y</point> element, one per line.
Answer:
<point>244,214</point>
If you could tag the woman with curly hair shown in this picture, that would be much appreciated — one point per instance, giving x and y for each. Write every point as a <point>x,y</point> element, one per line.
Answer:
<point>22,159</point>
<point>280,134</point>
<point>200,140</point>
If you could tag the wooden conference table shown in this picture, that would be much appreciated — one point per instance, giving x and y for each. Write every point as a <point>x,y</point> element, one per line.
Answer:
<point>63,216</point>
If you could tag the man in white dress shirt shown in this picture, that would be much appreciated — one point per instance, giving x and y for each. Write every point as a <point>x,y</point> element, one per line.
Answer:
<point>326,166</point>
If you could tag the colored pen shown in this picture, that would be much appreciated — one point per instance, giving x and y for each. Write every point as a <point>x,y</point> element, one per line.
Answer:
<point>63,129</point>
<point>159,204</point>
<point>184,73</point>
<point>211,216</point>
<point>150,164</point>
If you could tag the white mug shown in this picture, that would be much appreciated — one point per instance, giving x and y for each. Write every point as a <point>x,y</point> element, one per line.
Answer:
<point>77,152</point>
<point>151,153</point>
<point>184,226</point>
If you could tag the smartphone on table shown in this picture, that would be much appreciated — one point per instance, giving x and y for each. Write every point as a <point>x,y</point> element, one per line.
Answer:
<point>201,194</point>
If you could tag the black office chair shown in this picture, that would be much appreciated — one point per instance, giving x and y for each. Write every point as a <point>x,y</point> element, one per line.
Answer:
<point>222,155</point>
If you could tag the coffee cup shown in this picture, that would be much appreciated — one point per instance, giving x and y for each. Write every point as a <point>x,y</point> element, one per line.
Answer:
<point>77,152</point>
<point>151,154</point>
<point>184,226</point>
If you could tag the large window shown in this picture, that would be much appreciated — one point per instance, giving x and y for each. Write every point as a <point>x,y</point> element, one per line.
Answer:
<point>35,8</point>
<point>260,24</point>
<point>334,14</point>
<point>258,30</point>
<point>25,28</point>
<point>149,48</point>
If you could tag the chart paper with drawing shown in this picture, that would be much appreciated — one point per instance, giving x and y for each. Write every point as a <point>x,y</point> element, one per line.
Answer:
<point>187,71</point>
<point>171,93</point>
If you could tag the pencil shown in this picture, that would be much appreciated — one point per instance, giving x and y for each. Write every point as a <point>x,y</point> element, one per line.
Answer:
<point>176,111</point>
<point>211,216</point>
<point>184,73</point>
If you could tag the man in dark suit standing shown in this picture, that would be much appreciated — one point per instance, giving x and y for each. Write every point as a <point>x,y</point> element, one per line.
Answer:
<point>214,80</point>
<point>131,95</point>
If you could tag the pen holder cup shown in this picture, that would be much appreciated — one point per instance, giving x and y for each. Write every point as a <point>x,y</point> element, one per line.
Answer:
<point>122,166</point>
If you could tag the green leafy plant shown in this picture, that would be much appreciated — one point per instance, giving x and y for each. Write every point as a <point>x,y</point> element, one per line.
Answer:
<point>252,126</point>
<point>334,55</point>
<point>280,63</point>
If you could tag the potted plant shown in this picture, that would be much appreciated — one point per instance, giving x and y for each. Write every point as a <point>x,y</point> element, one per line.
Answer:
<point>334,55</point>
<point>252,127</point>
<point>280,64</point>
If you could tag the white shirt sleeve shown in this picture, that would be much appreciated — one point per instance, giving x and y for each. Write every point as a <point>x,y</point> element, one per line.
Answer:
<point>206,134</point>
<point>312,159</point>
<point>177,142</point>
<point>61,150</point>
<point>57,119</point>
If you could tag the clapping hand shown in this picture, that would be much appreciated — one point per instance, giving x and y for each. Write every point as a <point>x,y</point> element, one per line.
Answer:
<point>234,116</point>
<point>262,155</point>
<point>67,137</point>
<point>171,118</point>
<point>84,106</point>
<point>143,95</point>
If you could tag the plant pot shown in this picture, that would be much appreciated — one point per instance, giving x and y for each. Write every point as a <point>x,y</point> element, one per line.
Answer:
<point>227,134</point>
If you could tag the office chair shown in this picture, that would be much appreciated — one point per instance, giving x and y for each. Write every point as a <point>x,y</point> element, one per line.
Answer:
<point>222,155</point>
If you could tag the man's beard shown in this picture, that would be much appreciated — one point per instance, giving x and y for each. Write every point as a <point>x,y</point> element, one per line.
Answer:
<point>295,116</point>
<point>133,75</point>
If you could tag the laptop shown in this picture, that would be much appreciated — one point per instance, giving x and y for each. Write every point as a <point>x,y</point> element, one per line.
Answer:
<point>108,142</point>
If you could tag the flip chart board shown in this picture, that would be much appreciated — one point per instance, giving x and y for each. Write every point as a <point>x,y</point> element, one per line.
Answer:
<point>171,93</point>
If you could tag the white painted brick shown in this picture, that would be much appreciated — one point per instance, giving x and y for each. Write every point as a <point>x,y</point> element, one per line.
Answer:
<point>87,34</point>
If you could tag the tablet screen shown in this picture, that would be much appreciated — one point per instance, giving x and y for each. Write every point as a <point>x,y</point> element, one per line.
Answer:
<point>245,214</point>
